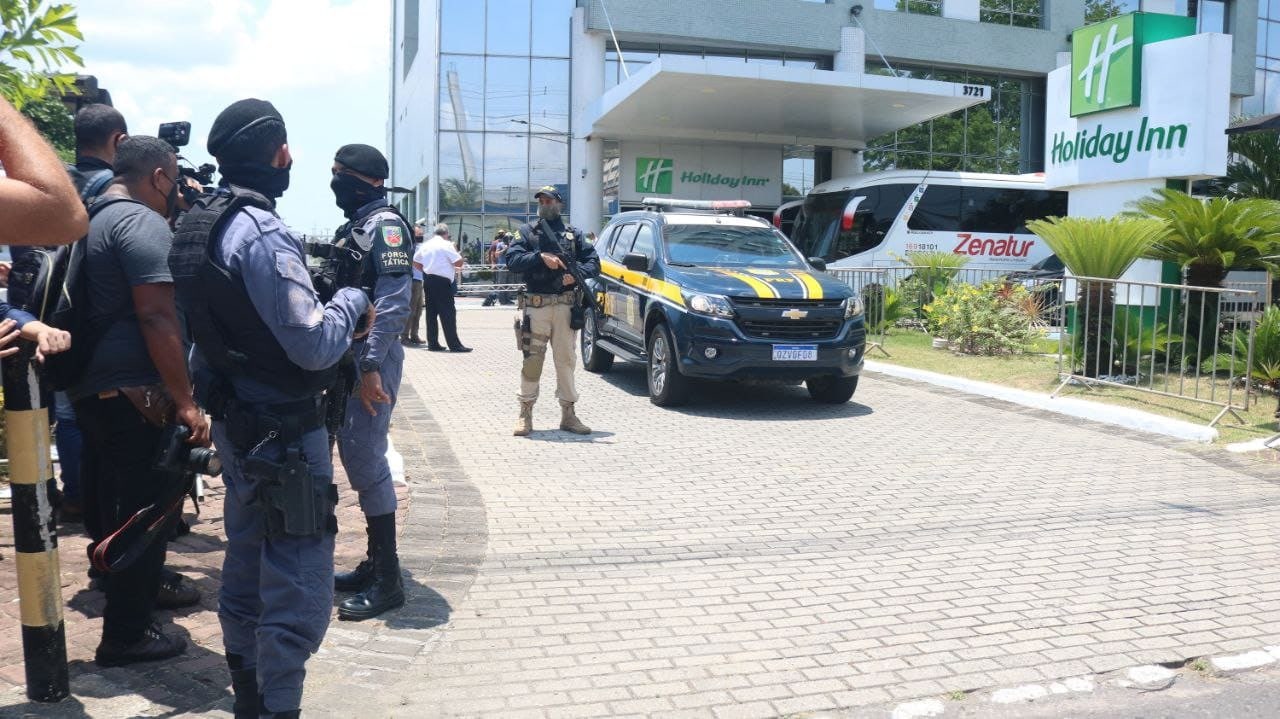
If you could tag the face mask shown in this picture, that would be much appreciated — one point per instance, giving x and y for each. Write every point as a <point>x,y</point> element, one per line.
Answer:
<point>258,176</point>
<point>550,213</point>
<point>171,199</point>
<point>351,193</point>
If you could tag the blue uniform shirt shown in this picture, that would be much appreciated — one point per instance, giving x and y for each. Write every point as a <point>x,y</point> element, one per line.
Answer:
<point>257,247</point>
<point>388,256</point>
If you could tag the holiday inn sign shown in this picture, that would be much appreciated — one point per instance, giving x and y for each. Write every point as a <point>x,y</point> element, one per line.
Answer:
<point>1144,97</point>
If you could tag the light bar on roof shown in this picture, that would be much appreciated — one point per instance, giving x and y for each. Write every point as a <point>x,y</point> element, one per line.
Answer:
<point>697,204</point>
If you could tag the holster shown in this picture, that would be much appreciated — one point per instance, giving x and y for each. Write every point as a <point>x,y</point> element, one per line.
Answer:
<point>296,506</point>
<point>577,312</point>
<point>524,333</point>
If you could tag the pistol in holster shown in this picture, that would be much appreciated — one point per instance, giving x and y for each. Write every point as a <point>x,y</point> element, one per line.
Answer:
<point>524,333</point>
<point>296,505</point>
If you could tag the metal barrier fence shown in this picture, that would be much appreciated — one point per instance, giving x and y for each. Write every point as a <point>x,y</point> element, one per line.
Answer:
<point>1173,340</point>
<point>485,280</point>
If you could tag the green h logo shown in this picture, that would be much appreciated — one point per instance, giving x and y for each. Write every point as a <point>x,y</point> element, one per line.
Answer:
<point>1106,59</point>
<point>654,174</point>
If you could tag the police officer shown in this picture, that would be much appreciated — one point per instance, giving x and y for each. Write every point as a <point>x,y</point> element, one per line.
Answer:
<point>265,349</point>
<point>546,305</point>
<point>381,268</point>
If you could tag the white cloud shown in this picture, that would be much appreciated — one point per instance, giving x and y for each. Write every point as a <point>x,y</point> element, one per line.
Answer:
<point>323,63</point>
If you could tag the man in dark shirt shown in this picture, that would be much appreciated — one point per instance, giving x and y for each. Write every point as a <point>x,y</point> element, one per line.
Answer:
<point>137,356</point>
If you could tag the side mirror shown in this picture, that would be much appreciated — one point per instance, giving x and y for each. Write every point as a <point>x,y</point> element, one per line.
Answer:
<point>636,262</point>
<point>818,264</point>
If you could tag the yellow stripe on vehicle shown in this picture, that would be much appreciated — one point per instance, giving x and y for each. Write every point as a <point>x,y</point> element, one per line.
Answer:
<point>640,280</point>
<point>762,289</point>
<point>812,288</point>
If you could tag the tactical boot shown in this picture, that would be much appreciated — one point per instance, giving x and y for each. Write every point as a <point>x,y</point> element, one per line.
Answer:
<point>263,711</point>
<point>524,425</point>
<point>387,590</point>
<point>358,579</point>
<point>569,421</point>
<point>244,683</point>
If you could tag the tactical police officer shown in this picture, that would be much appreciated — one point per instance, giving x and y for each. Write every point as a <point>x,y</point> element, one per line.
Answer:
<point>265,351</point>
<point>380,267</point>
<point>543,253</point>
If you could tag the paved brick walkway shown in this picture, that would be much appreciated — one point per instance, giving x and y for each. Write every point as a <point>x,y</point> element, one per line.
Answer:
<point>754,554</point>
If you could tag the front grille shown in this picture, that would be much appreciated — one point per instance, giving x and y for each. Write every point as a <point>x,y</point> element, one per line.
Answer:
<point>791,329</point>
<point>778,303</point>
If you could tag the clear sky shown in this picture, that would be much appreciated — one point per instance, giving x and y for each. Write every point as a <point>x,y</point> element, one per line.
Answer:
<point>322,63</point>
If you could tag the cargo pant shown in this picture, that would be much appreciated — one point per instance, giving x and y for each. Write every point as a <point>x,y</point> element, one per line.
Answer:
<point>362,442</point>
<point>277,592</point>
<point>549,325</point>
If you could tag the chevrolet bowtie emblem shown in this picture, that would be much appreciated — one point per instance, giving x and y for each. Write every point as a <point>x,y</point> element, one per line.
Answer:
<point>795,314</point>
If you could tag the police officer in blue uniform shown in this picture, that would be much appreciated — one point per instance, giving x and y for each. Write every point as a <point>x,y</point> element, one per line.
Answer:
<point>375,246</point>
<point>265,349</point>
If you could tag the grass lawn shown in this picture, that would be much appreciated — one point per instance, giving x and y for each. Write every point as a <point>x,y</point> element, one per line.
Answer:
<point>1039,373</point>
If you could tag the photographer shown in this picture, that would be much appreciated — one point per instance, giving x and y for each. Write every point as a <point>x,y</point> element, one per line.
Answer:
<point>137,366</point>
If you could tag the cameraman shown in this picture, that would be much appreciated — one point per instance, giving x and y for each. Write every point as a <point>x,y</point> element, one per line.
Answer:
<point>137,363</point>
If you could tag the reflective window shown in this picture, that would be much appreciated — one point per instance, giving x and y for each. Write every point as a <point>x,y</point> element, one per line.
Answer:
<point>506,163</point>
<point>460,22</point>
<point>409,27</point>
<point>1019,13</point>
<point>549,163</point>
<point>644,243</point>
<point>461,175</point>
<point>506,94</point>
<point>549,96</point>
<point>1212,16</point>
<point>551,20</point>
<point>507,29</point>
<point>461,92</point>
<point>622,245</point>
<point>1099,11</point>
<point>915,7</point>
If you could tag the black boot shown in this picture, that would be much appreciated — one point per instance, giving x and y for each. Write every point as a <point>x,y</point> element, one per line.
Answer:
<point>360,578</point>
<point>244,682</point>
<point>264,711</point>
<point>387,590</point>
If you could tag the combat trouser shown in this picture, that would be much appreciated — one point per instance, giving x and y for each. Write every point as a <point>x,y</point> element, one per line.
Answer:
<point>548,326</point>
<point>362,443</point>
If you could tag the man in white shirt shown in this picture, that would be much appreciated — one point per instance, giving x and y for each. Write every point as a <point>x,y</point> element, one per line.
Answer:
<point>438,261</point>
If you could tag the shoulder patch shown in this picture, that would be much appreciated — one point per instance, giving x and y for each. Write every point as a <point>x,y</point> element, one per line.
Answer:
<point>393,236</point>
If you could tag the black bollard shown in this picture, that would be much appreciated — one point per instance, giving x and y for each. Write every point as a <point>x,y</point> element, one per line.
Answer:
<point>44,639</point>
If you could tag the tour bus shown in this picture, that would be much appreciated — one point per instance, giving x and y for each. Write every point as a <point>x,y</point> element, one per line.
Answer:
<point>875,219</point>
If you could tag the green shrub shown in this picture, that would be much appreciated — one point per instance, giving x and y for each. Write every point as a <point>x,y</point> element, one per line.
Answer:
<point>987,320</point>
<point>884,307</point>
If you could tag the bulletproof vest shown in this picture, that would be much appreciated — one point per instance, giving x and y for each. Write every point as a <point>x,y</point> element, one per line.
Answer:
<point>220,316</point>
<point>357,266</point>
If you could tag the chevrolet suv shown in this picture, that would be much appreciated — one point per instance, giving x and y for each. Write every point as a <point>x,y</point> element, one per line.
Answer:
<point>697,290</point>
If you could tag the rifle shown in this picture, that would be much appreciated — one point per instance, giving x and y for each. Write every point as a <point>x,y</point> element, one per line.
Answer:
<point>574,270</point>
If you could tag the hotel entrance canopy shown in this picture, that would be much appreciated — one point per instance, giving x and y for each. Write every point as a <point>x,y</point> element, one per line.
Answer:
<point>686,98</point>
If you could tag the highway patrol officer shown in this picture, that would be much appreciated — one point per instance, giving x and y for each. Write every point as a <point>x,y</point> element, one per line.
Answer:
<point>549,299</point>
<point>381,267</point>
<point>265,349</point>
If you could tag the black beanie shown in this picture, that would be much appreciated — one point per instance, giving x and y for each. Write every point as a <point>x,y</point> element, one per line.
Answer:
<point>239,116</point>
<point>363,159</point>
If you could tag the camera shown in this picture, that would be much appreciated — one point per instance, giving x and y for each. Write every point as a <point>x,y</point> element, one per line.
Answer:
<point>175,455</point>
<point>178,134</point>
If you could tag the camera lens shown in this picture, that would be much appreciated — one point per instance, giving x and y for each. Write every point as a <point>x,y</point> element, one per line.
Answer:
<point>204,461</point>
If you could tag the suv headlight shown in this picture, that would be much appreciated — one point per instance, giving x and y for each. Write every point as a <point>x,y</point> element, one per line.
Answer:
<point>852,308</point>
<point>714,305</point>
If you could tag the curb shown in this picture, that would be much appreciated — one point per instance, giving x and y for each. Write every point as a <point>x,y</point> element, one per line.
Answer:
<point>1071,407</point>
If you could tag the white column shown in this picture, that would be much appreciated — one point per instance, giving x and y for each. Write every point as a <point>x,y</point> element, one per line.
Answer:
<point>586,152</point>
<point>851,58</point>
<point>961,9</point>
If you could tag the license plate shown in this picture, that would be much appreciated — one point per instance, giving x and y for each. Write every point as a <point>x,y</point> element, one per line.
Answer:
<point>795,353</point>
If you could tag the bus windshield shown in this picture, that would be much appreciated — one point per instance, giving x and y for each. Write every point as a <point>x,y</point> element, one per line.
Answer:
<point>818,232</point>
<point>720,246</point>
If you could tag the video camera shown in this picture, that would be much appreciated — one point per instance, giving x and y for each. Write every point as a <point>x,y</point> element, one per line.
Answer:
<point>178,134</point>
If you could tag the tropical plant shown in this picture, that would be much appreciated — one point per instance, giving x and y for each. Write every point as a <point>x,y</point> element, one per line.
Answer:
<point>1265,369</point>
<point>884,307</point>
<point>1102,248</point>
<point>55,123</point>
<point>990,319</point>
<point>932,272</point>
<point>1208,238</point>
<point>34,48</point>
<point>458,193</point>
<point>1254,168</point>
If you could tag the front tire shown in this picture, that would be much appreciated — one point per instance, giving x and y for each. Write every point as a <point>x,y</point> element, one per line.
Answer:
<point>667,387</point>
<point>594,359</point>
<point>832,390</point>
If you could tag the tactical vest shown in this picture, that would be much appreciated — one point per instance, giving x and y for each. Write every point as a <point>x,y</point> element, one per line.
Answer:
<point>359,269</point>
<point>220,316</point>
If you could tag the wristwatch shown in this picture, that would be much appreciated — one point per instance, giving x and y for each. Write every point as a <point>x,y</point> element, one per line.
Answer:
<point>367,366</point>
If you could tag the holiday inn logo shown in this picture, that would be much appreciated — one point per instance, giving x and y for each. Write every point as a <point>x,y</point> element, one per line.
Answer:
<point>1106,59</point>
<point>654,175</point>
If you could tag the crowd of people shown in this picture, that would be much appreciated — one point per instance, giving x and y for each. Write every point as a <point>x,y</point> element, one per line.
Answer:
<point>202,320</point>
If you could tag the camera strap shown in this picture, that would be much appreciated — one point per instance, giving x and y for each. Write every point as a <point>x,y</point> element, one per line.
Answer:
<point>121,548</point>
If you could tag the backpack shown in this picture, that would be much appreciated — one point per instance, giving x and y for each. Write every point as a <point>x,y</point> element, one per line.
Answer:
<point>51,285</point>
<point>90,184</point>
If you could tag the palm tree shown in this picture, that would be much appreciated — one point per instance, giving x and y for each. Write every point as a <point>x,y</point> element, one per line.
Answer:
<point>1254,169</point>
<point>1103,248</point>
<point>458,193</point>
<point>1208,238</point>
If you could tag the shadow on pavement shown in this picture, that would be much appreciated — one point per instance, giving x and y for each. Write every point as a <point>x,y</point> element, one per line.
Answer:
<point>424,607</point>
<point>559,436</point>
<point>741,401</point>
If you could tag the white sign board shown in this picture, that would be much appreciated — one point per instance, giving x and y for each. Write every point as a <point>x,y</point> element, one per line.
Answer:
<point>1176,132</point>
<point>701,172</point>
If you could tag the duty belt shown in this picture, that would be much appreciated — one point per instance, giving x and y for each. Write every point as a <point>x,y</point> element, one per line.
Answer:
<point>529,299</point>
<point>248,424</point>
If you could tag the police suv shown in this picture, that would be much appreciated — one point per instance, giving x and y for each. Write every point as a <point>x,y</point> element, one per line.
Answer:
<point>695,289</point>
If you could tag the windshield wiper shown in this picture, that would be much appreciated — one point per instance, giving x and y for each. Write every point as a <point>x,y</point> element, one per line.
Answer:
<point>673,263</point>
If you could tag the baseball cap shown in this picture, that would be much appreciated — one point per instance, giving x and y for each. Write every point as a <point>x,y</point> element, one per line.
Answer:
<point>549,191</point>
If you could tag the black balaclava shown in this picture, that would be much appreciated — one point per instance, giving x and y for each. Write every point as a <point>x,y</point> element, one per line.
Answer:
<point>351,193</point>
<point>235,166</point>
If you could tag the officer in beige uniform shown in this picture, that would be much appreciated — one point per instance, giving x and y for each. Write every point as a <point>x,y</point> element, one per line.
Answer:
<point>550,305</point>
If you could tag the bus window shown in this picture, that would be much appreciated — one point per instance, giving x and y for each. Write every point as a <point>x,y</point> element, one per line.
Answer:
<point>818,232</point>
<point>1007,211</point>
<point>938,211</point>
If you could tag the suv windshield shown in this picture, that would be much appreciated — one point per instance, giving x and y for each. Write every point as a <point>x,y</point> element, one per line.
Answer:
<point>728,246</point>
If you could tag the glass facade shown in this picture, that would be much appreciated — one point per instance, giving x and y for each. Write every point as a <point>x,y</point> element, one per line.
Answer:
<point>504,113</point>
<point>1266,82</point>
<point>915,7</point>
<point>995,136</point>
